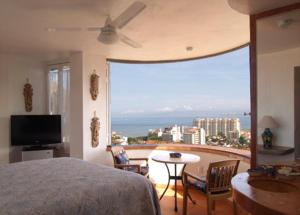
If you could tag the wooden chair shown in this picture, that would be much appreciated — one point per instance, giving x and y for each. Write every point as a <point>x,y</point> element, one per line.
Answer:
<point>137,168</point>
<point>216,184</point>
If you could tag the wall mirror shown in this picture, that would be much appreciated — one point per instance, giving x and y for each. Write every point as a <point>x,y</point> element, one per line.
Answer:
<point>278,87</point>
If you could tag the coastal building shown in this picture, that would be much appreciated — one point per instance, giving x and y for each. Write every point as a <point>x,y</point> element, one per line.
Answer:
<point>191,138</point>
<point>223,126</point>
<point>167,137</point>
<point>194,136</point>
<point>118,139</point>
<point>158,132</point>
<point>202,136</point>
<point>219,126</point>
<point>234,125</point>
<point>172,134</point>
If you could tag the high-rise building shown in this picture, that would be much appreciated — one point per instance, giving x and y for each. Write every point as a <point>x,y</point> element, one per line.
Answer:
<point>194,136</point>
<point>217,126</point>
<point>224,126</point>
<point>214,127</point>
<point>202,136</point>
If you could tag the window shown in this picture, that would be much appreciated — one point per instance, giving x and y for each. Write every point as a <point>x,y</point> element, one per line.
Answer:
<point>59,95</point>
<point>204,101</point>
<point>53,91</point>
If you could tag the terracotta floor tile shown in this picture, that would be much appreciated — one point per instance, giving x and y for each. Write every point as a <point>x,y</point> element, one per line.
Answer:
<point>223,207</point>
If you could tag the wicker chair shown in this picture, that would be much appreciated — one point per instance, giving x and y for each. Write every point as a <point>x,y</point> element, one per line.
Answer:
<point>137,168</point>
<point>216,184</point>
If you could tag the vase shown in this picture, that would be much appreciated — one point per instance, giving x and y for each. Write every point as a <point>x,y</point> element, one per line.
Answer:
<point>267,137</point>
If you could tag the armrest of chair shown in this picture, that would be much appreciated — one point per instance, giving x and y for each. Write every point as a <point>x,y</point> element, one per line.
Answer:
<point>198,178</point>
<point>137,159</point>
<point>124,166</point>
<point>140,159</point>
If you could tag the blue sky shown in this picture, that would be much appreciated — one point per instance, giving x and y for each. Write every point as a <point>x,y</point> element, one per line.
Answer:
<point>218,84</point>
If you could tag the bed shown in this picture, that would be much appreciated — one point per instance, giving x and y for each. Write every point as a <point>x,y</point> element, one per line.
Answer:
<point>72,186</point>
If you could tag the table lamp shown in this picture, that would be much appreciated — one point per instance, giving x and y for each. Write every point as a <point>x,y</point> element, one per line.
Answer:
<point>267,122</point>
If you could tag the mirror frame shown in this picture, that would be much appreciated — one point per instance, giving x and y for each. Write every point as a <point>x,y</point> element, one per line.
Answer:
<point>253,71</point>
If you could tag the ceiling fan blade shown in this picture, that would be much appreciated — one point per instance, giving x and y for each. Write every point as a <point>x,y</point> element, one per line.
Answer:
<point>132,11</point>
<point>94,29</point>
<point>129,41</point>
<point>60,29</point>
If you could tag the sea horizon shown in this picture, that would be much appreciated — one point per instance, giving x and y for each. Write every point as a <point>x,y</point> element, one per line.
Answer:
<point>133,126</point>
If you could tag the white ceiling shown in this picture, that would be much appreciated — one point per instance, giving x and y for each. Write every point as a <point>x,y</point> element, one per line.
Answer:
<point>272,38</point>
<point>164,28</point>
<point>258,6</point>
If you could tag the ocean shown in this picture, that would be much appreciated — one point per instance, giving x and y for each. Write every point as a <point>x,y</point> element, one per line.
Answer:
<point>139,126</point>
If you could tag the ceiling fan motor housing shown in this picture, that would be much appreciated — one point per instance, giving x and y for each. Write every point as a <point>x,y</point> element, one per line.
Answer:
<point>108,35</point>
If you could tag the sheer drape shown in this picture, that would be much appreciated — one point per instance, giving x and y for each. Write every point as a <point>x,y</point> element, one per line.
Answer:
<point>59,96</point>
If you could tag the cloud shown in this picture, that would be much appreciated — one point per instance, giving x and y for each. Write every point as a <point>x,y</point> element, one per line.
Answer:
<point>165,110</point>
<point>169,109</point>
<point>132,111</point>
<point>187,107</point>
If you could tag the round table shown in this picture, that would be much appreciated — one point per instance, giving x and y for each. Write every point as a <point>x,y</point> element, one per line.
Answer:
<point>166,159</point>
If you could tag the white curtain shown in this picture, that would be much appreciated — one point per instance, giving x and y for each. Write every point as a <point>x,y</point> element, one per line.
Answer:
<point>59,96</point>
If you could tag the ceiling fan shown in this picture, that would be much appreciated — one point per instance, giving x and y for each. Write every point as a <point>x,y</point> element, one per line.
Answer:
<point>109,33</point>
<point>287,23</point>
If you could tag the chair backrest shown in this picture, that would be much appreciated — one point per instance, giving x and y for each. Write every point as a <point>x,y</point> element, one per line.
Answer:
<point>115,150</point>
<point>219,175</point>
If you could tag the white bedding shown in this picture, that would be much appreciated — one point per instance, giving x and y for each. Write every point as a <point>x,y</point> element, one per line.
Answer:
<point>72,186</point>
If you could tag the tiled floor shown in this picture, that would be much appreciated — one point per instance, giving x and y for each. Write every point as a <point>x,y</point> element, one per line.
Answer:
<point>223,207</point>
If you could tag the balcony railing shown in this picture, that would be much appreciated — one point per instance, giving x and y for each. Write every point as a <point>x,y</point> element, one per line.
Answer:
<point>208,154</point>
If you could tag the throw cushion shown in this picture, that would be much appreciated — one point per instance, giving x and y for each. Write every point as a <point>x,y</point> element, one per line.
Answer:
<point>122,158</point>
<point>201,185</point>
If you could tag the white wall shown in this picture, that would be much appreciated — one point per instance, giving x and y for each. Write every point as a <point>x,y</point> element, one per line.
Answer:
<point>76,106</point>
<point>83,107</point>
<point>14,69</point>
<point>275,84</point>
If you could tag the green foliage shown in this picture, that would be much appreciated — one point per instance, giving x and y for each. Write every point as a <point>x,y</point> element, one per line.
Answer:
<point>153,136</point>
<point>137,140</point>
<point>132,140</point>
<point>220,134</point>
<point>242,140</point>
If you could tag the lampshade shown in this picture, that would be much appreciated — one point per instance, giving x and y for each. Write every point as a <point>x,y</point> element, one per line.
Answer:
<point>267,122</point>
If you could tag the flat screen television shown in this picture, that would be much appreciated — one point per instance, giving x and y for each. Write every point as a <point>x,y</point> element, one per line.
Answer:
<point>35,130</point>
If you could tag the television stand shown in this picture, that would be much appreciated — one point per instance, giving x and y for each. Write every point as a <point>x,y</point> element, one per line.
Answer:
<point>36,148</point>
<point>36,153</point>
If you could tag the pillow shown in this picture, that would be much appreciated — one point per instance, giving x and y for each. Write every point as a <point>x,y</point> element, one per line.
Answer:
<point>122,158</point>
<point>201,186</point>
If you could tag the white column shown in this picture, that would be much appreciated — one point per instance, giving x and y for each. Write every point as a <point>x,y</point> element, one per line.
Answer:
<point>83,107</point>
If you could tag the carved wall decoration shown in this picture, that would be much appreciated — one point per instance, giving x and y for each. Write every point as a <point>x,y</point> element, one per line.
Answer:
<point>28,93</point>
<point>95,130</point>
<point>94,88</point>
